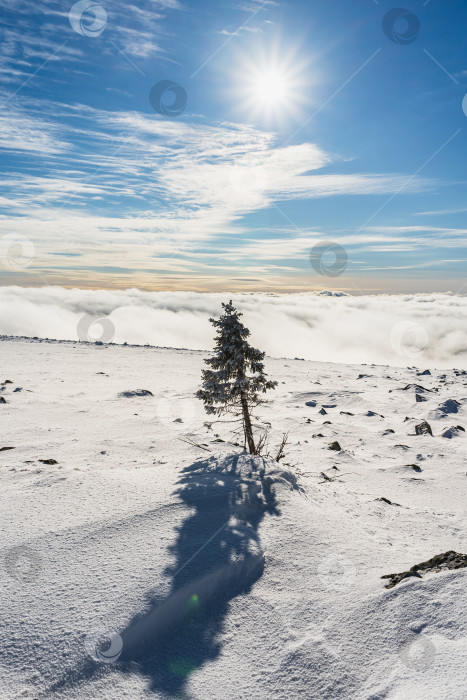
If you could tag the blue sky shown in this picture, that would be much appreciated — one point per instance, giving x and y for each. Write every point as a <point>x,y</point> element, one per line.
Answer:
<point>304,122</point>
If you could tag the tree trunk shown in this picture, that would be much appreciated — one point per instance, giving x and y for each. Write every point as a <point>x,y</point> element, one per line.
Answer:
<point>247,426</point>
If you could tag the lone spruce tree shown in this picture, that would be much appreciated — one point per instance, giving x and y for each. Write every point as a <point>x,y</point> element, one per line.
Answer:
<point>236,378</point>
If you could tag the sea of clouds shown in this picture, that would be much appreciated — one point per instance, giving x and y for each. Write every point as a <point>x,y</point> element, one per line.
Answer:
<point>426,330</point>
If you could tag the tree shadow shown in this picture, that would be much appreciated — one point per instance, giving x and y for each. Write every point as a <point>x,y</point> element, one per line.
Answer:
<point>217,556</point>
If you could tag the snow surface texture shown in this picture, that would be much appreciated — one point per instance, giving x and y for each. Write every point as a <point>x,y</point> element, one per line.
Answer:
<point>136,565</point>
<point>428,329</point>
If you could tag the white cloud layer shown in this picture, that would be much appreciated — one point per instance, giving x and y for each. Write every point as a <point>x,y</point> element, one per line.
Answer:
<point>428,330</point>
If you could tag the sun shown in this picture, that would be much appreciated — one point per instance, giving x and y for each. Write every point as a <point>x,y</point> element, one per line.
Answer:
<point>270,85</point>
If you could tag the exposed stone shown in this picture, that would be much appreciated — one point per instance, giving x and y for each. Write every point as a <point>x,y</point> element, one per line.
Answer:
<point>440,562</point>
<point>335,446</point>
<point>386,500</point>
<point>423,428</point>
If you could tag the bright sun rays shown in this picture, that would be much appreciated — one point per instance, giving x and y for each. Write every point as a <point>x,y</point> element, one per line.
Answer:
<point>273,85</point>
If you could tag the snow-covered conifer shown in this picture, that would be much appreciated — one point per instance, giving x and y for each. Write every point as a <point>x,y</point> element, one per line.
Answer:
<point>236,378</point>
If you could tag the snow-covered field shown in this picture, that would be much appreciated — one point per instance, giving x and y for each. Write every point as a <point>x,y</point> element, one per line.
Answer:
<point>216,575</point>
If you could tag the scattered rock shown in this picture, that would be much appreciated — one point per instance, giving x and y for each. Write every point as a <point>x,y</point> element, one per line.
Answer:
<point>335,446</point>
<point>419,398</point>
<point>423,428</point>
<point>3,449</point>
<point>2,400</point>
<point>416,387</point>
<point>7,381</point>
<point>371,414</point>
<point>415,467</point>
<point>323,412</point>
<point>453,431</point>
<point>346,413</point>
<point>386,500</point>
<point>388,431</point>
<point>362,376</point>
<point>311,403</point>
<point>318,435</point>
<point>425,372</point>
<point>441,562</point>
<point>48,461</point>
<point>135,392</point>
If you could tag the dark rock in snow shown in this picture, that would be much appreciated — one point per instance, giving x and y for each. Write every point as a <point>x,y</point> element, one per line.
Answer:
<point>136,392</point>
<point>335,446</point>
<point>3,449</point>
<point>386,500</point>
<point>453,431</point>
<point>441,562</point>
<point>388,431</point>
<point>416,387</point>
<point>7,381</point>
<point>415,467</point>
<point>425,372</point>
<point>48,461</point>
<point>423,428</point>
<point>323,412</point>
<point>346,413</point>
<point>2,400</point>
<point>311,403</point>
<point>419,398</point>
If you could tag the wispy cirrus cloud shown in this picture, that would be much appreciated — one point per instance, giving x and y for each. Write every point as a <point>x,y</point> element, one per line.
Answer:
<point>173,187</point>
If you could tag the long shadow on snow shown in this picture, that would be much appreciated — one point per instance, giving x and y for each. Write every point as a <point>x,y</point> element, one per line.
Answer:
<point>217,557</point>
